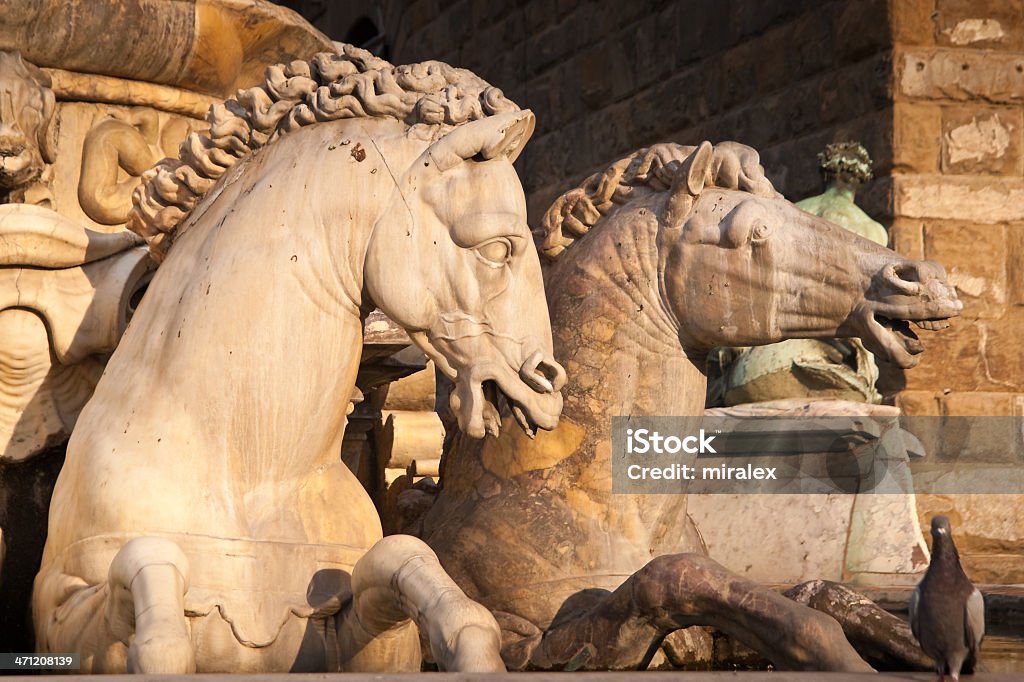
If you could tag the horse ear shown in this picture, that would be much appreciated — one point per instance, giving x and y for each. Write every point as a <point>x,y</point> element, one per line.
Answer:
<point>688,183</point>
<point>499,135</point>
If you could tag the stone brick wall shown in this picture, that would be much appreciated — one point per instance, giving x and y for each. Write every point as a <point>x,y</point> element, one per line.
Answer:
<point>958,192</point>
<point>958,197</point>
<point>606,77</point>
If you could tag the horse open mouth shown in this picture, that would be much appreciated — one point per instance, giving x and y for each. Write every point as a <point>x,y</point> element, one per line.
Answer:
<point>481,407</point>
<point>894,340</point>
<point>505,405</point>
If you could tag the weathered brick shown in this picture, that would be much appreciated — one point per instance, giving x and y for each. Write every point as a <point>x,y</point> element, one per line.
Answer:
<point>981,140</point>
<point>875,198</point>
<point>751,17</point>
<point>611,126</point>
<point>769,57</point>
<point>906,237</point>
<point>686,98</point>
<point>567,103</point>
<point>511,33</point>
<point>592,67</point>
<point>565,7</point>
<point>985,199</point>
<point>739,68</point>
<point>911,22</point>
<point>974,258</point>
<point>624,13</point>
<point>1014,269</point>
<point>961,75</point>
<point>814,51</point>
<point>458,28</point>
<point>979,23</point>
<point>951,361</point>
<point>917,129</point>
<point>859,31</point>
<point>537,96</point>
<point>705,29</point>
<point>918,403</point>
<point>540,14</point>
<point>1002,363</point>
<point>981,404</point>
<point>649,62</point>
<point>544,49</point>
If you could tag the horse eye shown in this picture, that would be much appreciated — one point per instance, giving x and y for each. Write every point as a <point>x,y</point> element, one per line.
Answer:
<point>495,252</point>
<point>761,231</point>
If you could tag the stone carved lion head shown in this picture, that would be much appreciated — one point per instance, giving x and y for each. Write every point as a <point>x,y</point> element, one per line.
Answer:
<point>27,106</point>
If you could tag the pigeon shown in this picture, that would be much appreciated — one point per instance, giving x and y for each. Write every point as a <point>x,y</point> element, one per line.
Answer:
<point>947,613</point>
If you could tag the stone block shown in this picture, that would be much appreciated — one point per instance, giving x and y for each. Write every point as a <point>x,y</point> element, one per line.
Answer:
<point>917,130</point>
<point>906,237</point>
<point>650,63</point>
<point>511,32</point>
<point>981,404</point>
<point>970,199</point>
<point>918,403</point>
<point>605,74</point>
<point>960,75</point>
<point>951,361</point>
<point>885,542</point>
<point>990,24</point>
<point>875,198</point>
<point>1015,264</point>
<point>540,14</point>
<point>752,17</point>
<point>975,259</point>
<point>699,103</point>
<point>989,533</point>
<point>981,140</point>
<point>1002,362</point>
<point>814,51</point>
<point>739,68</point>
<point>807,533</point>
<point>857,33</point>
<point>706,28</point>
<point>911,22</point>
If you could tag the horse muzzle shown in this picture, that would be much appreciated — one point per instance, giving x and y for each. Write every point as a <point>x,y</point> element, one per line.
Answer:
<point>904,292</point>
<point>531,395</point>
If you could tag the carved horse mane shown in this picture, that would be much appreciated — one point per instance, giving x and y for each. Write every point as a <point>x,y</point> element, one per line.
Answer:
<point>429,97</point>
<point>734,166</point>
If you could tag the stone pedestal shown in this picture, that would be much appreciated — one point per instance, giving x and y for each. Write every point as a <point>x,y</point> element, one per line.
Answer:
<point>867,538</point>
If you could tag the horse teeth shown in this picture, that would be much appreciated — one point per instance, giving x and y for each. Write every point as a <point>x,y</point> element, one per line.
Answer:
<point>932,325</point>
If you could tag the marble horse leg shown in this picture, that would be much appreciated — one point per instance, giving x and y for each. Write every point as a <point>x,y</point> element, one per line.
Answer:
<point>399,581</point>
<point>146,606</point>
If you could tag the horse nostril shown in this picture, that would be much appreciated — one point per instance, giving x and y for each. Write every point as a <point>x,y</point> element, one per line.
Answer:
<point>904,277</point>
<point>554,372</point>
<point>541,374</point>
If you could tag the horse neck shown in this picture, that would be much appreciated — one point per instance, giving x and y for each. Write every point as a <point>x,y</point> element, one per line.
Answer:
<point>615,337</point>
